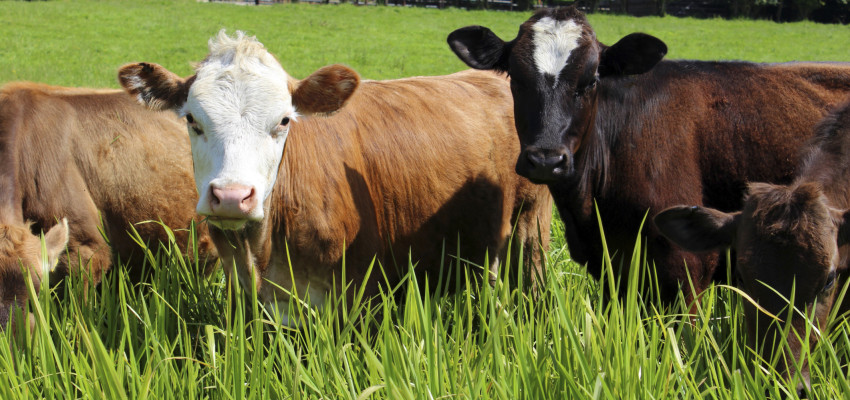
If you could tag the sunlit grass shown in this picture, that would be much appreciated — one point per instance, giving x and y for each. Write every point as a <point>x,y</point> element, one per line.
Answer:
<point>82,43</point>
<point>180,334</point>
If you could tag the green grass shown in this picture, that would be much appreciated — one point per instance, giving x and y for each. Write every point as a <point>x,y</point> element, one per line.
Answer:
<point>83,43</point>
<point>181,335</point>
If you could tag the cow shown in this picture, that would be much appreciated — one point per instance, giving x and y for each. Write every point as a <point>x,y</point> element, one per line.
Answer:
<point>408,170</point>
<point>791,242</point>
<point>619,129</point>
<point>85,166</point>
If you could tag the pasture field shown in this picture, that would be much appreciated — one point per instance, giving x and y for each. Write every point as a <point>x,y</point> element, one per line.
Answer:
<point>181,335</point>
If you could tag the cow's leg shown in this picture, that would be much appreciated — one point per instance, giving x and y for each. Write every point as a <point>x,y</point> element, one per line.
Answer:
<point>532,237</point>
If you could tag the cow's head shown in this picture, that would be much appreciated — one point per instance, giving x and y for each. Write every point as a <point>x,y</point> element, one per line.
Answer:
<point>554,63</point>
<point>785,237</point>
<point>20,253</point>
<point>239,106</point>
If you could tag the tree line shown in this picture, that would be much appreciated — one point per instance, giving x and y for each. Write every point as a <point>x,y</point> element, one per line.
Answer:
<point>826,11</point>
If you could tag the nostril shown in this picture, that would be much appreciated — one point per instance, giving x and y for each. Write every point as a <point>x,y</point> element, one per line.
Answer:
<point>248,202</point>
<point>534,158</point>
<point>250,197</point>
<point>215,196</point>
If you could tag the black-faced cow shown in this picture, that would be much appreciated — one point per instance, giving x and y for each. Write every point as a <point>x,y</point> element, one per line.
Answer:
<point>618,126</point>
<point>405,167</point>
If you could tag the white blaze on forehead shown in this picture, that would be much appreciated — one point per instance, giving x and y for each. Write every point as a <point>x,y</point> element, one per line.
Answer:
<point>554,40</point>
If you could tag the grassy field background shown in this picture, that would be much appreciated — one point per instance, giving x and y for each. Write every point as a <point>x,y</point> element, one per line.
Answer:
<point>173,337</point>
<point>82,43</point>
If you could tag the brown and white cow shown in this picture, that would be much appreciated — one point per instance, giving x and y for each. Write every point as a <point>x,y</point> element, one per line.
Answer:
<point>617,127</point>
<point>97,162</point>
<point>408,166</point>
<point>786,237</point>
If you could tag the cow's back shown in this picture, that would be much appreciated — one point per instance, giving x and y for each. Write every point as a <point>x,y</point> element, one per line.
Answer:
<point>420,164</point>
<point>721,124</point>
<point>101,160</point>
<point>698,132</point>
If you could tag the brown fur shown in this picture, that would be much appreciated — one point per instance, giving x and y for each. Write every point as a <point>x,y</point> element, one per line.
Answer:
<point>331,82</point>
<point>704,137</point>
<point>98,159</point>
<point>156,86</point>
<point>653,133</point>
<point>19,248</point>
<point>819,228</point>
<point>407,167</point>
<point>789,239</point>
<point>784,213</point>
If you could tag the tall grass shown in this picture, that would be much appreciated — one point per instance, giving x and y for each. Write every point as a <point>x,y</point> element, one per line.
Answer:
<point>179,334</point>
<point>182,335</point>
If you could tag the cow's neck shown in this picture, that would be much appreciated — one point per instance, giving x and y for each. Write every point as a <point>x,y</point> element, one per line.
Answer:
<point>578,199</point>
<point>246,251</point>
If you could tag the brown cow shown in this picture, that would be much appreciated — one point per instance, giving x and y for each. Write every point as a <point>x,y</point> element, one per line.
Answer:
<point>96,159</point>
<point>614,126</point>
<point>406,167</point>
<point>794,236</point>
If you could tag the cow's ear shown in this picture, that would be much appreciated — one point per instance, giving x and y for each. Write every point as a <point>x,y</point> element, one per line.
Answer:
<point>55,241</point>
<point>634,54</point>
<point>154,86</point>
<point>698,228</point>
<point>480,48</point>
<point>843,227</point>
<point>324,91</point>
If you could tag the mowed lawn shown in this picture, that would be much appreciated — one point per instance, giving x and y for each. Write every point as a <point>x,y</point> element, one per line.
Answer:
<point>181,335</point>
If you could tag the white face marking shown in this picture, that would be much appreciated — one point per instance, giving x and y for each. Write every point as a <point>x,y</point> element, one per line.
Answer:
<point>238,99</point>
<point>553,42</point>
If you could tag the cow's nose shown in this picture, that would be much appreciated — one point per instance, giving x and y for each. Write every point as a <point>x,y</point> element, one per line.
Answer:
<point>543,165</point>
<point>540,160</point>
<point>232,201</point>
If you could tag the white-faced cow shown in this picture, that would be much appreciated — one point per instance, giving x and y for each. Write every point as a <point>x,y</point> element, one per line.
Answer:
<point>786,236</point>
<point>406,167</point>
<point>618,126</point>
<point>97,162</point>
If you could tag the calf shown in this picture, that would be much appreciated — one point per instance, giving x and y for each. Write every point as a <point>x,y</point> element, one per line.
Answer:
<point>617,128</point>
<point>99,161</point>
<point>790,241</point>
<point>406,168</point>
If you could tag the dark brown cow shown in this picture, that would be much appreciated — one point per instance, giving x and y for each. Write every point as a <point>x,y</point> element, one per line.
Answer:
<point>408,166</point>
<point>96,159</point>
<point>794,236</point>
<point>617,126</point>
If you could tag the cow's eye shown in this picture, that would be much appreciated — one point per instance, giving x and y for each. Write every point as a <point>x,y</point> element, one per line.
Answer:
<point>580,92</point>
<point>830,281</point>
<point>192,124</point>
<point>284,121</point>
